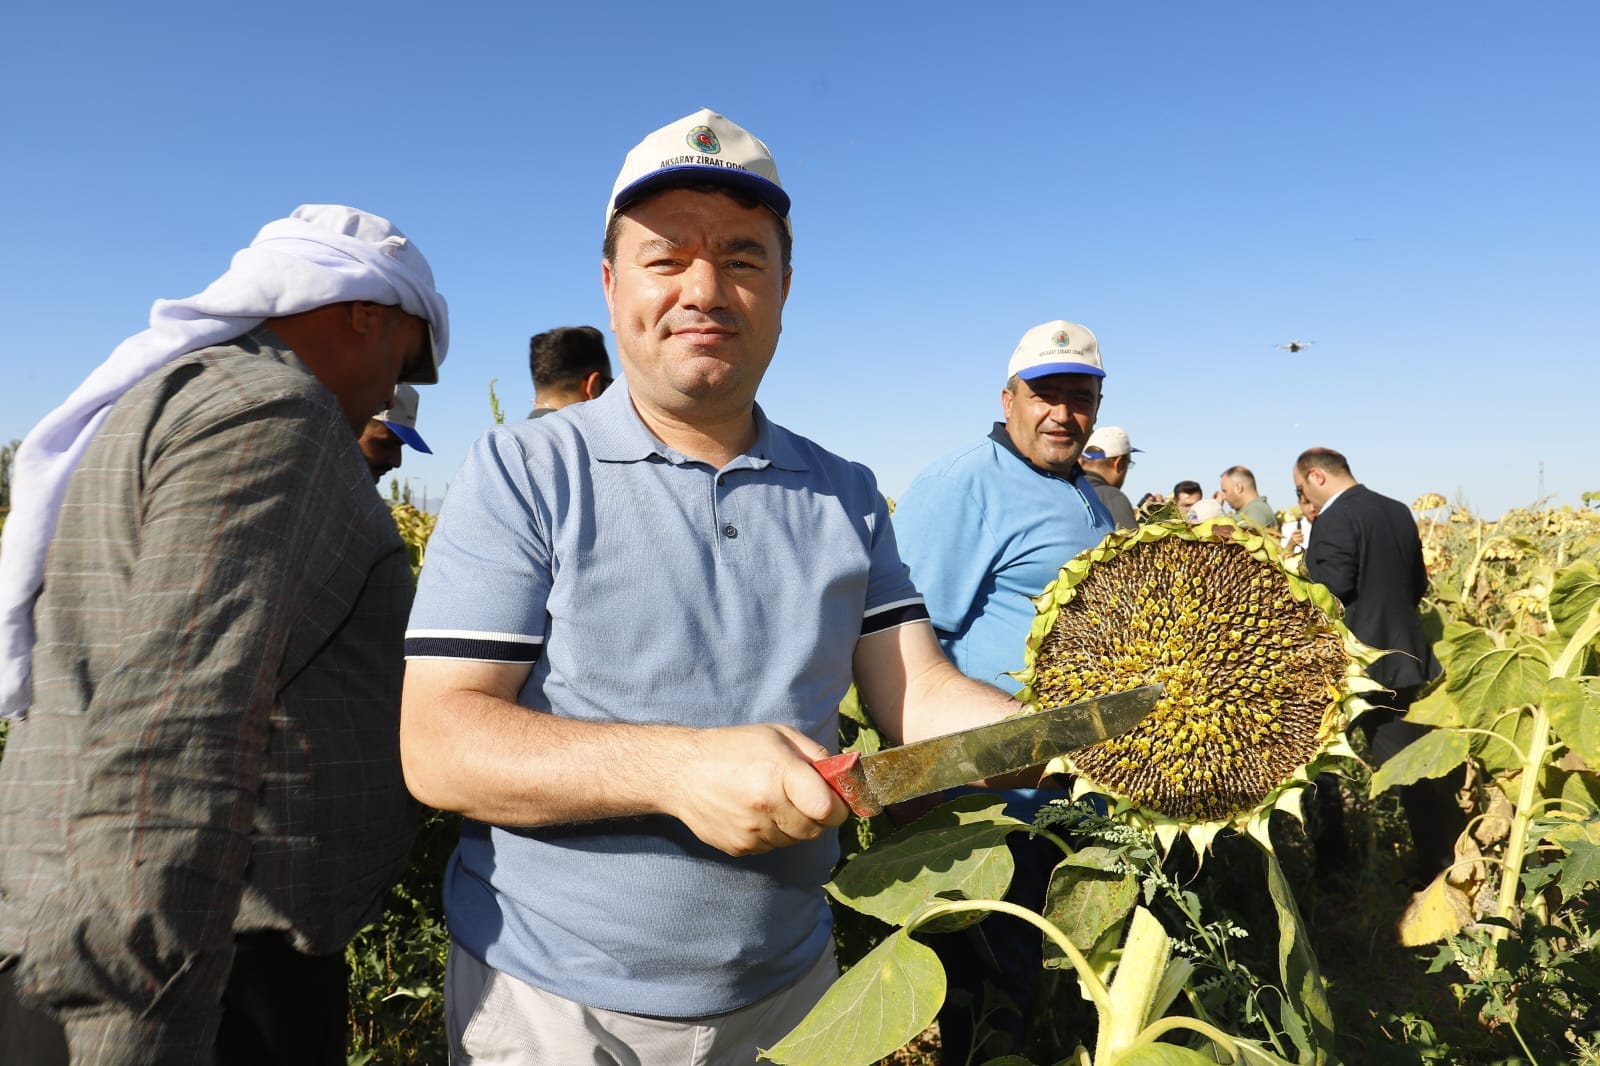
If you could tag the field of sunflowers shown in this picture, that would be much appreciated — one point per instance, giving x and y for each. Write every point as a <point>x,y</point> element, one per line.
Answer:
<point>1190,923</point>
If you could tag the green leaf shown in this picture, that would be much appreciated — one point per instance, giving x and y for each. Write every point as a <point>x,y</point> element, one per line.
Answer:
<point>1486,684</point>
<point>1086,898</point>
<point>1576,788</point>
<point>880,1004</point>
<point>1434,754</point>
<point>1581,867</point>
<point>1437,708</point>
<point>1498,756</point>
<point>1305,1001</point>
<point>957,850</point>
<point>1574,710</point>
<point>1433,622</point>
<point>1573,595</point>
<point>1462,643</point>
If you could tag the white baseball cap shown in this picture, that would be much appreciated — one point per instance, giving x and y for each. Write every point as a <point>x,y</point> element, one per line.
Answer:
<point>401,417</point>
<point>1108,442</point>
<point>702,147</point>
<point>1058,347</point>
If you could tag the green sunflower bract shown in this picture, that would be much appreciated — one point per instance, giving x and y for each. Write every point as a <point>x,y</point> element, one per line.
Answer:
<point>1262,677</point>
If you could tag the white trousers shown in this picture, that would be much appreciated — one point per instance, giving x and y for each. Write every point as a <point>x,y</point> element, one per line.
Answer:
<point>494,1019</point>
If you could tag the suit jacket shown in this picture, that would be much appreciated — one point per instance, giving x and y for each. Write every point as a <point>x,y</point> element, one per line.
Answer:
<point>1365,548</point>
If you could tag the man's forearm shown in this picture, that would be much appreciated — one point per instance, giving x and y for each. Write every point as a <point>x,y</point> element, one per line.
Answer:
<point>497,762</point>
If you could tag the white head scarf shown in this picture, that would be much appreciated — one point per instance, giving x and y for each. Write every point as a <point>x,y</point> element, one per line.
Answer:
<point>321,254</point>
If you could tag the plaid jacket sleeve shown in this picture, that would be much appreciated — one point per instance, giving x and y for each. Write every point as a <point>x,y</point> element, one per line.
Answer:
<point>235,536</point>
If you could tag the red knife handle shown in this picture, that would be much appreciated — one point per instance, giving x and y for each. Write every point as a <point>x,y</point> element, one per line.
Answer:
<point>843,774</point>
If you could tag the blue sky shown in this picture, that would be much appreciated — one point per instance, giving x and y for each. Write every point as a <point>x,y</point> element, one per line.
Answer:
<point>1411,186</point>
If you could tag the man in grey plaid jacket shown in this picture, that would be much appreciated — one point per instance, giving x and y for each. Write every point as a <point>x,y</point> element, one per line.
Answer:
<point>204,801</point>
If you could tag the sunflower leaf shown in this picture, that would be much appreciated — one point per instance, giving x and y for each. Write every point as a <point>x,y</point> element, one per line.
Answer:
<point>1305,1000</point>
<point>1434,754</point>
<point>1087,897</point>
<point>1497,679</point>
<point>879,1005</point>
<point>956,851</point>
<point>1574,710</point>
<point>1437,708</point>
<point>1573,594</point>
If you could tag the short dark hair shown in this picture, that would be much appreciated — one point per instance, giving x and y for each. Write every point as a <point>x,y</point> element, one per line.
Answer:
<point>738,196</point>
<point>1186,488</point>
<point>1241,473</point>
<point>1322,459</point>
<point>561,358</point>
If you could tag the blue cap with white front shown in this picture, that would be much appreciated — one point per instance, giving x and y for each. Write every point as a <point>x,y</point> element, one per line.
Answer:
<point>401,418</point>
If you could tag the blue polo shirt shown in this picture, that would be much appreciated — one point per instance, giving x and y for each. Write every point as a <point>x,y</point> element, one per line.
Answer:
<point>984,531</point>
<point>646,587</point>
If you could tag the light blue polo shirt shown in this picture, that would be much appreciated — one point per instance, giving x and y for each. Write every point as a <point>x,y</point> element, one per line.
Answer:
<point>645,587</point>
<point>984,531</point>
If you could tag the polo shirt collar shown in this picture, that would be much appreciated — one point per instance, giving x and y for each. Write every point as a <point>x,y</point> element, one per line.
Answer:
<point>999,435</point>
<point>618,435</point>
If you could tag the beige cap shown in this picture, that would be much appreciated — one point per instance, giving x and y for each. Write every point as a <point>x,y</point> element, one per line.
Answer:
<point>1108,442</point>
<point>702,147</point>
<point>1058,347</point>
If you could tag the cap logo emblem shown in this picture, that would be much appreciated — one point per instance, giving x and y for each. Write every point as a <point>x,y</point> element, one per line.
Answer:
<point>703,139</point>
<point>1060,338</point>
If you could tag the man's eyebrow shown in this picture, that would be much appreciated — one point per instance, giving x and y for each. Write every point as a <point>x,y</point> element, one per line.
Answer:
<point>742,246</point>
<point>732,245</point>
<point>657,245</point>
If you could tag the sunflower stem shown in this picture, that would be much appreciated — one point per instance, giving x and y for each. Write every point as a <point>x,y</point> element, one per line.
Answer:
<point>1163,1026</point>
<point>1099,995</point>
<point>1133,987</point>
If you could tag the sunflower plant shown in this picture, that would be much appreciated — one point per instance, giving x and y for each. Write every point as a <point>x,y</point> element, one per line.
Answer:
<point>1518,632</point>
<point>1262,679</point>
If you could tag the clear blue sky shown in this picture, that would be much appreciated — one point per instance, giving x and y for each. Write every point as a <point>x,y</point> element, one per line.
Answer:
<point>1411,186</point>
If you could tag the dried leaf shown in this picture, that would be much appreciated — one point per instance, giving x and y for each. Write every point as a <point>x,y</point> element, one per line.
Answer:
<point>1439,910</point>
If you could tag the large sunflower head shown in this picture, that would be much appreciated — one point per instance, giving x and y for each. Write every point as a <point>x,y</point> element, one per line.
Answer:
<point>1261,674</point>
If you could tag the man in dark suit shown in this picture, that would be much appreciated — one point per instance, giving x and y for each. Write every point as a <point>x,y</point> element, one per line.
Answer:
<point>1366,551</point>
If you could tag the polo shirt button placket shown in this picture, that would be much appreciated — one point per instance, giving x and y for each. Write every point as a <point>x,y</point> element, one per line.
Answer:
<point>730,531</point>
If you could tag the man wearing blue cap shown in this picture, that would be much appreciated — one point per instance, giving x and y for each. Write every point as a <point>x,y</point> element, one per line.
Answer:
<point>387,431</point>
<point>984,530</point>
<point>629,644</point>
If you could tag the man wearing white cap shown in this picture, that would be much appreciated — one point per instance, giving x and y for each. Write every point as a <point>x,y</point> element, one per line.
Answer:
<point>205,801</point>
<point>630,642</point>
<point>984,530</point>
<point>387,431</point>
<point>1106,460</point>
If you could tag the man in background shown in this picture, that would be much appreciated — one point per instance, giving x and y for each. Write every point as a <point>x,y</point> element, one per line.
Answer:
<point>569,365</point>
<point>388,431</point>
<point>984,530</point>
<point>1185,494</point>
<point>1239,492</point>
<point>1107,458</point>
<point>1366,550</point>
<point>205,800</point>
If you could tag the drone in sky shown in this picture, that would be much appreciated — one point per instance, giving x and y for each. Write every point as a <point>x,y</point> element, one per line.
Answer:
<point>1295,346</point>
